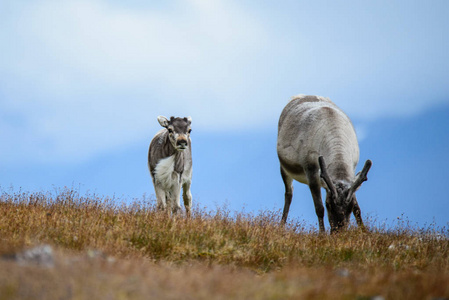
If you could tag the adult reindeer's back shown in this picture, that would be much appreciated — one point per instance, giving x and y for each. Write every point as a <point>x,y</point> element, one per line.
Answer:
<point>313,131</point>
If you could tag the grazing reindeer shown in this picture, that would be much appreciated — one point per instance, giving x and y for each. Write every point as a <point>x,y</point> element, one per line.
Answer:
<point>170,163</point>
<point>313,131</point>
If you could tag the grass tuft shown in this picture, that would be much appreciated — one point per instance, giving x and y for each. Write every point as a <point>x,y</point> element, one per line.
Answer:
<point>246,248</point>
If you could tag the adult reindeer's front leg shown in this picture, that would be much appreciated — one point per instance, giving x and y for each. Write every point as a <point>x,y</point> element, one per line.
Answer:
<point>358,214</point>
<point>315,188</point>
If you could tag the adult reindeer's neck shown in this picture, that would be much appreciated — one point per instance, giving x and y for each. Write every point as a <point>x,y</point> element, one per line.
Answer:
<point>340,168</point>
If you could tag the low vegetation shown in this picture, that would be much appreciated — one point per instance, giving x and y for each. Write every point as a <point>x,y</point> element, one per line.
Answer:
<point>106,249</point>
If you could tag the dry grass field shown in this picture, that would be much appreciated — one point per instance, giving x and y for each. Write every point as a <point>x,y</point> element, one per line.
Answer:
<point>95,248</point>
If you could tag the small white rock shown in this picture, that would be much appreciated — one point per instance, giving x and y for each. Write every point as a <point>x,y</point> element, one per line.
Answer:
<point>40,255</point>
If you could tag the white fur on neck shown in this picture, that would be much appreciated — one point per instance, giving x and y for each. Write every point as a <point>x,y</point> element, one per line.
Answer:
<point>164,172</point>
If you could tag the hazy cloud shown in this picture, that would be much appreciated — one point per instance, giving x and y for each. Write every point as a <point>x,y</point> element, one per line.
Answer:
<point>87,75</point>
<point>81,77</point>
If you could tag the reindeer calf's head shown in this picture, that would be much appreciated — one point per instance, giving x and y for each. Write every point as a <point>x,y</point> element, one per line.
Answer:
<point>178,131</point>
<point>340,197</point>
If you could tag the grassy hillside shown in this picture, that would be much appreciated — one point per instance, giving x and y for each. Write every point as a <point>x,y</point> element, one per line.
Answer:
<point>105,250</point>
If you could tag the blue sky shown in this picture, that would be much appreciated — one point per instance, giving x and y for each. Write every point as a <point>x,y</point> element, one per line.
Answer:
<point>82,82</point>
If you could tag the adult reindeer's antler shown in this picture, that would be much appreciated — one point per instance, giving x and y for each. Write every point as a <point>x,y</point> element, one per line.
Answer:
<point>326,177</point>
<point>359,179</point>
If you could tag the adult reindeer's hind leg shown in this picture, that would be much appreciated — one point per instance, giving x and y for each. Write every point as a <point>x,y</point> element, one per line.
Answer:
<point>288,182</point>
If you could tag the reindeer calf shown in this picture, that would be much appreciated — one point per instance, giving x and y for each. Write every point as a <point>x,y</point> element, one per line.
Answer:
<point>170,163</point>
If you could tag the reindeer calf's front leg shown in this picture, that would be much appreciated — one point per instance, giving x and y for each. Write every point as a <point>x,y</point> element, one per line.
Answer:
<point>187,197</point>
<point>175,199</point>
<point>161,197</point>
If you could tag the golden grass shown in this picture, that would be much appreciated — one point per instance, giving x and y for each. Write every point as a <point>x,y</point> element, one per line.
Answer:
<point>214,255</point>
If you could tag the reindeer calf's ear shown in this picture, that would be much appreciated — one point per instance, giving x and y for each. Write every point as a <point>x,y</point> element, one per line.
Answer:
<point>189,119</point>
<point>163,121</point>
